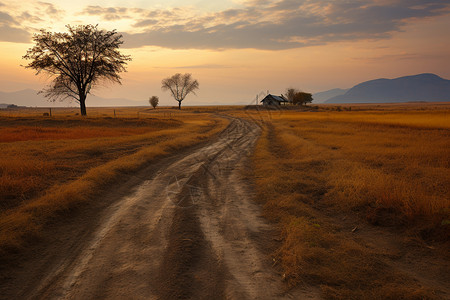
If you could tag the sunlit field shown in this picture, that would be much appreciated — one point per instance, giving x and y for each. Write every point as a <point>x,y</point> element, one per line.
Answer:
<point>393,160</point>
<point>321,173</point>
<point>51,164</point>
<point>353,189</point>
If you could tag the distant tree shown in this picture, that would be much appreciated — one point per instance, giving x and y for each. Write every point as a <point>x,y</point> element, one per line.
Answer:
<point>180,86</point>
<point>298,97</point>
<point>302,98</point>
<point>290,94</point>
<point>154,100</point>
<point>83,57</point>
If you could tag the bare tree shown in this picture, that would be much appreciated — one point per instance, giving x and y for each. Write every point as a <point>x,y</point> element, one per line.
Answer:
<point>180,86</point>
<point>77,60</point>
<point>154,100</point>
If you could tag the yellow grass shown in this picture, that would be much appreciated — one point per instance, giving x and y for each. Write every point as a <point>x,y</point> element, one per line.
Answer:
<point>416,119</point>
<point>40,177</point>
<point>386,167</point>
<point>371,162</point>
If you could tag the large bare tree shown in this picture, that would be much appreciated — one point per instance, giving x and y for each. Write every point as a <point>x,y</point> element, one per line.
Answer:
<point>77,60</point>
<point>180,86</point>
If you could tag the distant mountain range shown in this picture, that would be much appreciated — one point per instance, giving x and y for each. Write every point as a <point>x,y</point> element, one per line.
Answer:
<point>423,87</point>
<point>321,97</point>
<point>30,97</point>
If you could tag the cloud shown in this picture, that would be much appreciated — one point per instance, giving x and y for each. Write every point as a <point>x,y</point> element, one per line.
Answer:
<point>51,10</point>
<point>397,57</point>
<point>145,23</point>
<point>9,31</point>
<point>112,13</point>
<point>283,24</point>
<point>144,19</point>
<point>12,34</point>
<point>5,18</point>
<point>16,23</point>
<point>109,13</point>
<point>26,16</point>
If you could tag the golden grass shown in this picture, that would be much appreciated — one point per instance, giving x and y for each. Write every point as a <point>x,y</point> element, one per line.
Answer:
<point>41,133</point>
<point>371,162</point>
<point>40,178</point>
<point>386,167</point>
<point>413,119</point>
<point>141,112</point>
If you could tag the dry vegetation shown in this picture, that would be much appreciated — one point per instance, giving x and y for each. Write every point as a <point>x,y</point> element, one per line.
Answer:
<point>324,175</point>
<point>359,192</point>
<point>52,164</point>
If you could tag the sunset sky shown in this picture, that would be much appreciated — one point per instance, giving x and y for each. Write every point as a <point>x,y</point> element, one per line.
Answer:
<point>238,48</point>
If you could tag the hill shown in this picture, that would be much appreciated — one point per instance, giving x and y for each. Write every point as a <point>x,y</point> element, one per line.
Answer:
<point>321,97</point>
<point>29,97</point>
<point>422,87</point>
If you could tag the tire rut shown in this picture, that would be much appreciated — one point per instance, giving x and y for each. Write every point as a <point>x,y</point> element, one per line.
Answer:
<point>190,231</point>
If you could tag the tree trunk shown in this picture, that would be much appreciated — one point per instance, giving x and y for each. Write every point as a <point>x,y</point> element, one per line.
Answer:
<point>83,105</point>
<point>179,104</point>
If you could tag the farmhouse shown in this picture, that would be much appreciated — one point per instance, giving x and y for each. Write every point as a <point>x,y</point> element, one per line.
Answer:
<point>274,100</point>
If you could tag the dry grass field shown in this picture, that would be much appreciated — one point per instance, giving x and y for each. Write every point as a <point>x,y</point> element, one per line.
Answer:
<point>355,190</point>
<point>360,194</point>
<point>51,164</point>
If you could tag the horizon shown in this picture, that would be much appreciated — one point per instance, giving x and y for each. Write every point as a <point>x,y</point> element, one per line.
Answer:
<point>237,49</point>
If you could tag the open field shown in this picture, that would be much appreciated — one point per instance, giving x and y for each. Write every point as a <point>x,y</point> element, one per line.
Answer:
<point>356,194</point>
<point>49,165</point>
<point>182,227</point>
<point>356,201</point>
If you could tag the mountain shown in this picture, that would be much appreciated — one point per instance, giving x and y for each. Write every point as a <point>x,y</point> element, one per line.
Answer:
<point>30,97</point>
<point>422,87</point>
<point>321,97</point>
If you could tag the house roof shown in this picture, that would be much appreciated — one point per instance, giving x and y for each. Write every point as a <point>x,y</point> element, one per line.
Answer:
<point>276,98</point>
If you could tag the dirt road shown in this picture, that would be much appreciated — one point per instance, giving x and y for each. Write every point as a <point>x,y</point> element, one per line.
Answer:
<point>188,229</point>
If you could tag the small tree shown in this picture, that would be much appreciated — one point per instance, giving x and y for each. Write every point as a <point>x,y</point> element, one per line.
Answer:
<point>180,86</point>
<point>154,100</point>
<point>77,60</point>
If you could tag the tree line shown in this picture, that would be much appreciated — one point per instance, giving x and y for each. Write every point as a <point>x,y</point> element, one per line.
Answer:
<point>297,97</point>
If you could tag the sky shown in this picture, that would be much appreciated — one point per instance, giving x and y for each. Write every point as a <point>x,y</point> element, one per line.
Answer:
<point>239,48</point>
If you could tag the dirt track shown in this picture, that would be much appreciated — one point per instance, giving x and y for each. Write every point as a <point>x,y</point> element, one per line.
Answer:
<point>187,229</point>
